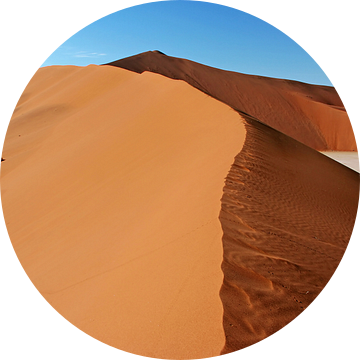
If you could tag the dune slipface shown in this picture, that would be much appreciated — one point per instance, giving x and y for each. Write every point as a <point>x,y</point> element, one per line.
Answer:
<point>287,215</point>
<point>111,192</point>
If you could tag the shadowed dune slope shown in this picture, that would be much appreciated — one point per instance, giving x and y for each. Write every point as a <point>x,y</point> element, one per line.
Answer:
<point>111,193</point>
<point>311,114</point>
<point>287,216</point>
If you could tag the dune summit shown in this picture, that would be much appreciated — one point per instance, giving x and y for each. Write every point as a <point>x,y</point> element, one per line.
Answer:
<point>311,114</point>
<point>160,221</point>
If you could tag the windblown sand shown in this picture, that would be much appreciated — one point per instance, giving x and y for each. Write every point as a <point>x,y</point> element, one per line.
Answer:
<point>287,215</point>
<point>161,221</point>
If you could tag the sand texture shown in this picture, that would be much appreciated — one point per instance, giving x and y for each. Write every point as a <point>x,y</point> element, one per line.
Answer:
<point>164,221</point>
<point>311,114</point>
<point>287,218</point>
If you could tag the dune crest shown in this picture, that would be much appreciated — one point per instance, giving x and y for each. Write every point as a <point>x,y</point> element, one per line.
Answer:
<point>111,193</point>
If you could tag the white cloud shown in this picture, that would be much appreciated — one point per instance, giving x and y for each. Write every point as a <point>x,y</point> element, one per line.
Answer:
<point>87,54</point>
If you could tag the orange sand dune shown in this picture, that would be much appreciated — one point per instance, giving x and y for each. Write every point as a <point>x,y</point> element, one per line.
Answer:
<point>111,192</point>
<point>113,186</point>
<point>311,114</point>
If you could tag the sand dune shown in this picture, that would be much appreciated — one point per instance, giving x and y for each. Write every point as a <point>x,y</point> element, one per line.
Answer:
<point>162,222</point>
<point>311,114</point>
<point>111,192</point>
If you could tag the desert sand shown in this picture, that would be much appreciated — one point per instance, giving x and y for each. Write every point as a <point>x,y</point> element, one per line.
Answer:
<point>111,191</point>
<point>159,220</point>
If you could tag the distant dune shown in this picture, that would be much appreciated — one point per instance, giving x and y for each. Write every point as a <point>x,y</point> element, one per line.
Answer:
<point>162,222</point>
<point>311,114</point>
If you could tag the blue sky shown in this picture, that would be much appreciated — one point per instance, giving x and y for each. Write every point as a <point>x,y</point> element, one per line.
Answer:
<point>211,34</point>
